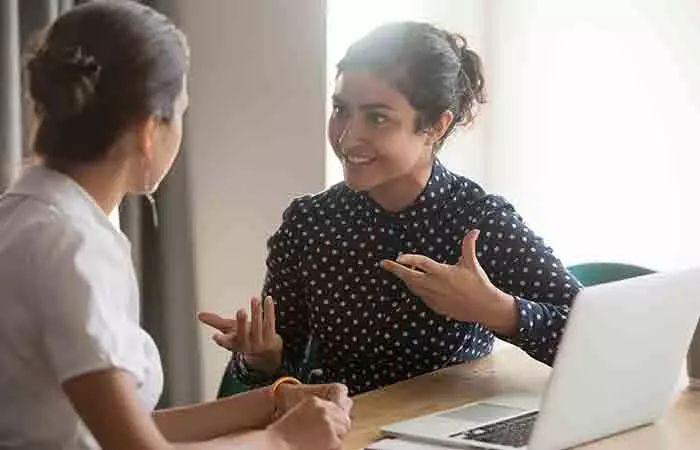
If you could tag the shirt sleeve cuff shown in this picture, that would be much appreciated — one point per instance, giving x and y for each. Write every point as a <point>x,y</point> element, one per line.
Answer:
<point>540,328</point>
<point>240,370</point>
<point>530,316</point>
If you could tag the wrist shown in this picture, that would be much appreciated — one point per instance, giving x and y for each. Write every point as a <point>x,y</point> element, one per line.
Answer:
<point>268,364</point>
<point>279,391</point>
<point>503,315</point>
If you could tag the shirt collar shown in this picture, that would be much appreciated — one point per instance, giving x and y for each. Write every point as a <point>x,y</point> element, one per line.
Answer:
<point>64,193</point>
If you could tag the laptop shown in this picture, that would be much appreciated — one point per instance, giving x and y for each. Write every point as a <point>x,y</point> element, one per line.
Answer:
<point>617,368</point>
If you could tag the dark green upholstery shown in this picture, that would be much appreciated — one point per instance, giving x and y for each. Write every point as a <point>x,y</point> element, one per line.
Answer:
<point>230,386</point>
<point>590,274</point>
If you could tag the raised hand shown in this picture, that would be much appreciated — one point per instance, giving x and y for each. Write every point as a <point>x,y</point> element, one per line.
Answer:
<point>256,338</point>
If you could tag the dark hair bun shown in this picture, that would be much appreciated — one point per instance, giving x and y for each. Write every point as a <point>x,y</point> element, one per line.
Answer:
<point>62,84</point>
<point>99,68</point>
<point>471,91</point>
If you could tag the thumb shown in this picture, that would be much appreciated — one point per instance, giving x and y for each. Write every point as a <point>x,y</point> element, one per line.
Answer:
<point>468,259</point>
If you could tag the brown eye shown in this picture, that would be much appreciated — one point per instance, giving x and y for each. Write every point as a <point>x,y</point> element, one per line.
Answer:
<point>377,118</point>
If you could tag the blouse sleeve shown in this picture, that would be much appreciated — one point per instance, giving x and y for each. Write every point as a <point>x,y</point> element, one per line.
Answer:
<point>519,263</point>
<point>86,314</point>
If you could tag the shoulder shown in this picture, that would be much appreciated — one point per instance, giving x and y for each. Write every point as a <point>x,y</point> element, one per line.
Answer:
<point>310,214</point>
<point>58,264</point>
<point>40,233</point>
<point>309,207</point>
<point>83,277</point>
<point>64,241</point>
<point>75,261</point>
<point>471,198</point>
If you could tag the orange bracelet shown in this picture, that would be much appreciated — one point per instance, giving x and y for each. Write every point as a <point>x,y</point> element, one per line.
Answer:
<point>273,393</point>
<point>283,380</point>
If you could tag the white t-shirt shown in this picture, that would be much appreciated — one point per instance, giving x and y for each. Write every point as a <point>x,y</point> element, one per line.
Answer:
<point>69,305</point>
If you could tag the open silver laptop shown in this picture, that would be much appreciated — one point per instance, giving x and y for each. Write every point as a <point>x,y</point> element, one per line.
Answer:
<point>617,368</point>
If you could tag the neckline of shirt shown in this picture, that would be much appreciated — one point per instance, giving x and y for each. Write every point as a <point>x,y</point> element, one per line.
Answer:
<point>435,193</point>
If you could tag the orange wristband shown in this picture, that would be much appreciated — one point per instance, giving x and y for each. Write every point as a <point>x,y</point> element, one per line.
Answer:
<point>283,380</point>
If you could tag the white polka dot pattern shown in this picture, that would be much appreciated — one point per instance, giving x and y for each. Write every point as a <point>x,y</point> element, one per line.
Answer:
<point>339,312</point>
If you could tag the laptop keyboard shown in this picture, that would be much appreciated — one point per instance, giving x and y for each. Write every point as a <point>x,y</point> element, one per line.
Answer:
<point>514,432</point>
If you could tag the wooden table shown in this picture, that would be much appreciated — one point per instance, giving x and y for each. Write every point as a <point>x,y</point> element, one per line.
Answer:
<point>506,371</point>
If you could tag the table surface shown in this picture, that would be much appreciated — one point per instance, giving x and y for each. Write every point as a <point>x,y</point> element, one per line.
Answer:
<point>506,371</point>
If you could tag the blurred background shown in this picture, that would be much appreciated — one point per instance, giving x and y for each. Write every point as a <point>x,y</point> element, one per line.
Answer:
<point>591,130</point>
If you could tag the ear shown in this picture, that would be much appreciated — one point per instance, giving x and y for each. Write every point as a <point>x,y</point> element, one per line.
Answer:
<point>146,134</point>
<point>438,130</point>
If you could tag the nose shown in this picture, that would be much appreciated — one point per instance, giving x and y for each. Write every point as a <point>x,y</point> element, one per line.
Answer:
<point>350,135</point>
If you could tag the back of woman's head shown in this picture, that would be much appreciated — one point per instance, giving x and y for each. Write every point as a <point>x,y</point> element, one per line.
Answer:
<point>435,70</point>
<point>98,69</point>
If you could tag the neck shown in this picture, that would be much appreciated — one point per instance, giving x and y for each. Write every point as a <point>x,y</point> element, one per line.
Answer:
<point>399,193</point>
<point>105,181</point>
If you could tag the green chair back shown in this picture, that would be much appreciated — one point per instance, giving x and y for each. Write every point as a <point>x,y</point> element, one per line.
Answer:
<point>590,274</point>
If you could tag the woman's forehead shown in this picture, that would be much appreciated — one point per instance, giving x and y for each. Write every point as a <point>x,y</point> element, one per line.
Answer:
<point>361,88</point>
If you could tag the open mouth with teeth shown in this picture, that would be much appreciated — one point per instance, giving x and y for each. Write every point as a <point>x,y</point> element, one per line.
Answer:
<point>358,160</point>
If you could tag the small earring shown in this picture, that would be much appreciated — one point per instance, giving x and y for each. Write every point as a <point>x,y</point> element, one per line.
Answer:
<point>154,210</point>
<point>147,187</point>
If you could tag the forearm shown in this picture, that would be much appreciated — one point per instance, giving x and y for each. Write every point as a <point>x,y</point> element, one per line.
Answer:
<point>528,269</point>
<point>205,421</point>
<point>250,440</point>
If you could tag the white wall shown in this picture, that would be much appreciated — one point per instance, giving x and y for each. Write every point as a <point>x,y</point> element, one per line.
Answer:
<point>255,139</point>
<point>465,151</point>
<point>596,106</point>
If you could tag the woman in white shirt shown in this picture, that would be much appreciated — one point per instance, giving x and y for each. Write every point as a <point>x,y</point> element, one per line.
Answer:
<point>109,87</point>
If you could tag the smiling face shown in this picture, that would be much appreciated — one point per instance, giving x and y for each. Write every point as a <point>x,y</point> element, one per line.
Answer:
<point>400,91</point>
<point>373,132</point>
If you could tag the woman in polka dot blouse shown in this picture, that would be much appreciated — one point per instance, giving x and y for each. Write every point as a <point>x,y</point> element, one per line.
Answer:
<point>405,267</point>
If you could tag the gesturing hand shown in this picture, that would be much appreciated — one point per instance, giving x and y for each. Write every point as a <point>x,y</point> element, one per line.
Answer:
<point>256,339</point>
<point>462,291</point>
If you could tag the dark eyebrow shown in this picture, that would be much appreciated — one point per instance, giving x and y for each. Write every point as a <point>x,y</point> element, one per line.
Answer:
<point>370,106</point>
<point>365,107</point>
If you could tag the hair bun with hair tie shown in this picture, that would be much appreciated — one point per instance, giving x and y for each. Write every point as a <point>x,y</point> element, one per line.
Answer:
<point>63,81</point>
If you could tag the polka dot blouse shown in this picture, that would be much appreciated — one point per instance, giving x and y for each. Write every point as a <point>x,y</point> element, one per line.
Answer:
<point>345,319</point>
